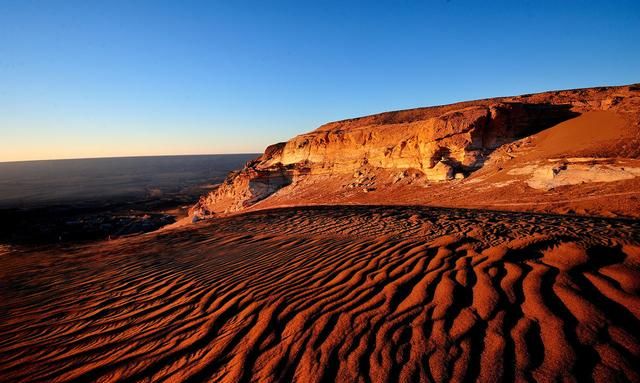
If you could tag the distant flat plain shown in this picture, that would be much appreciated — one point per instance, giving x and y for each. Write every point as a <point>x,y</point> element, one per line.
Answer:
<point>41,183</point>
<point>100,198</point>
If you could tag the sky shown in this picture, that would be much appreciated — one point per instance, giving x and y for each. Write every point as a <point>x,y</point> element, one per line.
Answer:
<point>85,79</point>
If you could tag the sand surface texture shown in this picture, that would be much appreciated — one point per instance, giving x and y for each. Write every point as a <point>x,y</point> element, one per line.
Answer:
<point>369,294</point>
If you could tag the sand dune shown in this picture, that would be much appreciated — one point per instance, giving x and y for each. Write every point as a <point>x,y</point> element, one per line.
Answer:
<point>347,293</point>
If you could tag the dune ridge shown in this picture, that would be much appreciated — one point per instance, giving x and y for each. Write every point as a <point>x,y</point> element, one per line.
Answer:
<point>347,293</point>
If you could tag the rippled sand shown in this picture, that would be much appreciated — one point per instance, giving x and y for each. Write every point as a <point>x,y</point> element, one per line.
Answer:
<point>331,294</point>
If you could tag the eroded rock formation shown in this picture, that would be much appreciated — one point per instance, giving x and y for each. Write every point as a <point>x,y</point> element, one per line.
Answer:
<point>435,143</point>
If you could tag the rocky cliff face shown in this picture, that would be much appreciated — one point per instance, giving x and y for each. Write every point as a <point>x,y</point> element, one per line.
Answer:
<point>435,144</point>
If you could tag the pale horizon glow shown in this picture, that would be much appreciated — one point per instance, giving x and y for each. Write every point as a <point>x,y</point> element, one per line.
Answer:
<point>75,145</point>
<point>111,155</point>
<point>123,79</point>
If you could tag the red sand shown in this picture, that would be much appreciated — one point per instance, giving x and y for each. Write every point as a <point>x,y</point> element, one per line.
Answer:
<point>332,294</point>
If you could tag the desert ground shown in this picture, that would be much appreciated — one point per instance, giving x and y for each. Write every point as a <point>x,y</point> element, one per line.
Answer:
<point>489,240</point>
<point>334,293</point>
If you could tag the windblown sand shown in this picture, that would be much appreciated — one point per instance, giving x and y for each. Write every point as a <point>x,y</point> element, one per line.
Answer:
<point>367,294</point>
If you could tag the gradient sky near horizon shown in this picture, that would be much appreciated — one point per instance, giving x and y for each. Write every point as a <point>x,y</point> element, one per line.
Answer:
<point>114,78</point>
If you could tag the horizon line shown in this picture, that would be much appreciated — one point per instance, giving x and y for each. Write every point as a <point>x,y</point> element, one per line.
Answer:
<point>128,156</point>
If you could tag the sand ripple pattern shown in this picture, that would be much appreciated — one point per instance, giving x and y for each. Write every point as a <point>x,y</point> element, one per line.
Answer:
<point>352,294</point>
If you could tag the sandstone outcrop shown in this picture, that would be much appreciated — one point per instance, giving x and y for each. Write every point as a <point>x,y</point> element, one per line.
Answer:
<point>433,144</point>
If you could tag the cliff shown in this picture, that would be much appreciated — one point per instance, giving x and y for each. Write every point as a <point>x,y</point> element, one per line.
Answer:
<point>391,153</point>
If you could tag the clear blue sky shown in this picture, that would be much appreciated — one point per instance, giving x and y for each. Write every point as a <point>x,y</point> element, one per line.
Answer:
<point>112,78</point>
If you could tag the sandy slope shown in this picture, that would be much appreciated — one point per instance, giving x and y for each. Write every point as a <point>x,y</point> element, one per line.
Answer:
<point>332,293</point>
